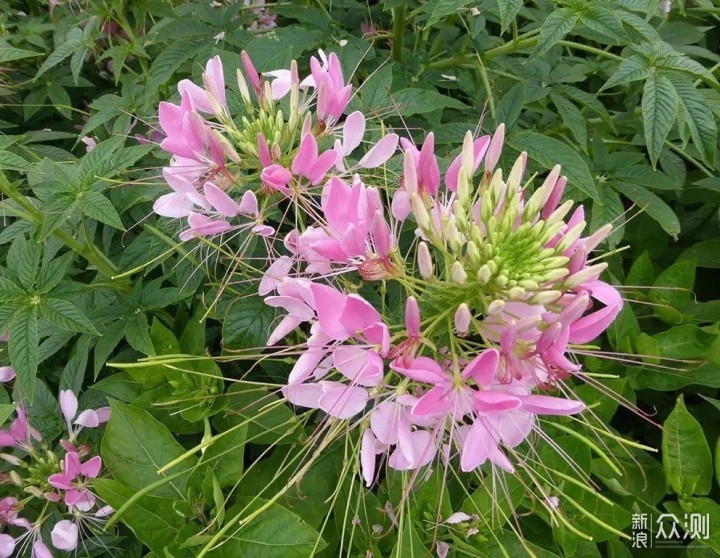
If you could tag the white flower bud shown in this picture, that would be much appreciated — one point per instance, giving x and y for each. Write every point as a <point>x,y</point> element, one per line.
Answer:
<point>458,273</point>
<point>463,317</point>
<point>424,258</point>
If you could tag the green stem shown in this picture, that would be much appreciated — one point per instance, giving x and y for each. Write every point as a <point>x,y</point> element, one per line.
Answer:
<point>398,17</point>
<point>486,84</point>
<point>590,49</point>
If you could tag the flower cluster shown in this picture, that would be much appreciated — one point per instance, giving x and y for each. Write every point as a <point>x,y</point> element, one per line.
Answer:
<point>50,486</point>
<point>494,284</point>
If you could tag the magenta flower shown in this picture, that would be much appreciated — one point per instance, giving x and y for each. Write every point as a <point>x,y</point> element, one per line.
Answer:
<point>20,434</point>
<point>74,479</point>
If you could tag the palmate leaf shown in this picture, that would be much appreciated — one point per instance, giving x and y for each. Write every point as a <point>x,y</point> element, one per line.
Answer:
<point>659,110</point>
<point>572,118</point>
<point>556,26</point>
<point>23,348</point>
<point>73,42</point>
<point>603,20</point>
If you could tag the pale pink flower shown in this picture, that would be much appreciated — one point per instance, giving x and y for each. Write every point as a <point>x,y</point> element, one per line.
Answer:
<point>64,535</point>
<point>7,373</point>
<point>73,481</point>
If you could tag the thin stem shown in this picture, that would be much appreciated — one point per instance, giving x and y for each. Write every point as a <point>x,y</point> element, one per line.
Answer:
<point>398,17</point>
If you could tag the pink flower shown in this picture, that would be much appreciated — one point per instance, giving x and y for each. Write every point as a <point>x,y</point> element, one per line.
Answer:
<point>64,535</point>
<point>7,373</point>
<point>7,545</point>
<point>20,434</point>
<point>74,480</point>
<point>352,133</point>
<point>332,93</point>
<point>40,550</point>
<point>308,164</point>
<point>276,177</point>
<point>90,418</point>
<point>211,99</point>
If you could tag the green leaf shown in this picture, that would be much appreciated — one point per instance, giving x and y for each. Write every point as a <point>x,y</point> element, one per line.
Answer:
<point>508,10</point>
<point>55,212</point>
<point>8,53</point>
<point>409,544</point>
<point>137,333</point>
<point>603,20</point>
<point>672,288</point>
<point>72,43</point>
<point>659,110</point>
<point>699,118</point>
<point>28,262</point>
<point>170,60</point>
<point>225,457</point>
<point>705,253</point>
<point>549,152</point>
<point>23,348</point>
<point>653,206</point>
<point>65,315</point>
<point>572,118</point>
<point>247,323</point>
<point>153,519</point>
<point>685,453</point>
<point>6,410</point>
<point>436,10</point>
<point>135,446</point>
<point>421,101</point>
<point>99,162</point>
<point>631,69</point>
<point>52,273</point>
<point>558,24</point>
<point>98,207</point>
<point>509,107</point>
<point>10,161</point>
<point>275,533</point>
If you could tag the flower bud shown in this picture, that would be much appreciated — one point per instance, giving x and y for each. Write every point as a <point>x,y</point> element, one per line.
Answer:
<point>483,275</point>
<point>244,91</point>
<point>473,252</point>
<point>15,478</point>
<point>12,459</point>
<point>458,273</point>
<point>570,237</point>
<point>516,293</point>
<point>588,274</point>
<point>515,176</point>
<point>545,297</point>
<point>467,155</point>
<point>463,317</point>
<point>597,237</point>
<point>425,264</point>
<point>496,307</point>
<point>420,211</point>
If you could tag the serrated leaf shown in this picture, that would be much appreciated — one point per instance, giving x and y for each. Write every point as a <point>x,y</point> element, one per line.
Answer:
<point>23,348</point>
<point>572,118</point>
<point>53,272</point>
<point>558,24</point>
<point>653,206</point>
<point>97,161</point>
<point>10,161</point>
<point>72,43</point>
<point>98,207</point>
<point>550,152</point>
<point>56,211</point>
<point>435,10</point>
<point>508,10</point>
<point>421,101</point>
<point>603,20</point>
<point>28,263</point>
<point>65,315</point>
<point>631,69</point>
<point>699,118</point>
<point>509,107</point>
<point>8,53</point>
<point>682,63</point>
<point>659,110</point>
<point>137,333</point>
<point>9,290</point>
<point>169,60</point>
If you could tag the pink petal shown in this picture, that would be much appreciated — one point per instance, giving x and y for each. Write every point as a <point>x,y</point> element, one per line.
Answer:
<point>547,405</point>
<point>420,369</point>
<point>91,468</point>
<point>353,131</point>
<point>306,156</point>
<point>103,414</point>
<point>329,304</point>
<point>64,535</point>
<point>277,271</point>
<point>294,307</point>
<point>61,481</point>
<point>197,95</point>
<point>249,204</point>
<point>214,80</point>
<point>173,205</point>
<point>367,457</point>
<point>487,401</point>
<point>7,544</point>
<point>88,419</point>
<point>281,85</point>
<point>483,367</point>
<point>432,403</point>
<point>495,149</point>
<point>400,205</point>
<point>72,464</point>
<point>39,550</point>
<point>68,404</point>
<point>477,447</point>
<point>358,314</point>
<point>341,401</point>
<point>222,203</point>
<point>358,364</point>
<point>412,317</point>
<point>380,152</point>
<point>286,326</point>
<point>7,373</point>
<point>304,395</point>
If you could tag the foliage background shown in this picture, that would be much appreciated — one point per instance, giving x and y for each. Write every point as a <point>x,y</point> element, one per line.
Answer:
<point>623,95</point>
